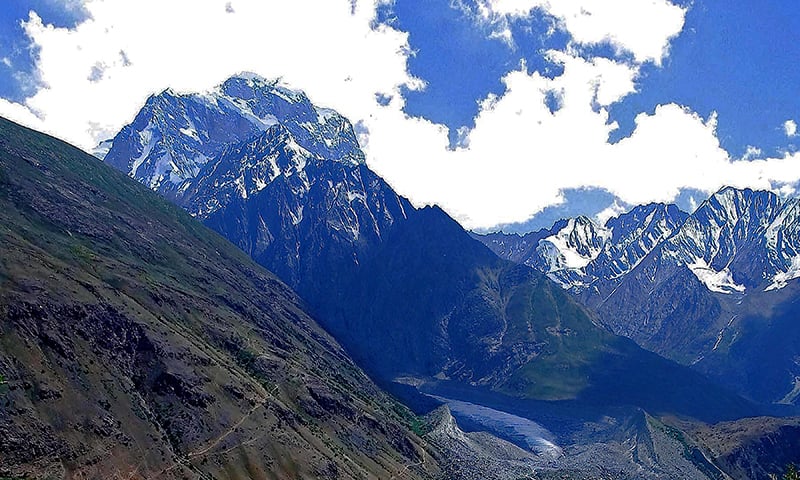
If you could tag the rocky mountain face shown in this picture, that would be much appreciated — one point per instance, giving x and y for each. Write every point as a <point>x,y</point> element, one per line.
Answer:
<point>752,448</point>
<point>407,291</point>
<point>639,447</point>
<point>137,343</point>
<point>695,288</point>
<point>174,135</point>
<point>594,255</point>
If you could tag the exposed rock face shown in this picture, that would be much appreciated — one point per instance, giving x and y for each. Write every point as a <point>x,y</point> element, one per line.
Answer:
<point>713,289</point>
<point>135,342</point>
<point>175,135</point>
<point>754,448</point>
<point>583,256</point>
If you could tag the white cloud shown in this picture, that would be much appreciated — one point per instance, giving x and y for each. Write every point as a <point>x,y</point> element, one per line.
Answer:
<point>692,204</point>
<point>520,155</point>
<point>21,114</point>
<point>516,160</point>
<point>74,9</point>
<point>751,153</point>
<point>790,127</point>
<point>97,75</point>
<point>643,28</point>
<point>787,190</point>
<point>69,5</point>
<point>613,210</point>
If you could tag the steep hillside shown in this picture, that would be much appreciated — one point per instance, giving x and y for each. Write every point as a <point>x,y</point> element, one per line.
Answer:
<point>406,290</point>
<point>752,449</point>
<point>137,343</point>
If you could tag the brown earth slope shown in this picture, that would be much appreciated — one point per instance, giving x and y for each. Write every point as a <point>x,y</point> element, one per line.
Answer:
<point>136,343</point>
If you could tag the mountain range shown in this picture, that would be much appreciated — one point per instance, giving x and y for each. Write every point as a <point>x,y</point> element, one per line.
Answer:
<point>414,299</point>
<point>715,289</point>
<point>357,252</point>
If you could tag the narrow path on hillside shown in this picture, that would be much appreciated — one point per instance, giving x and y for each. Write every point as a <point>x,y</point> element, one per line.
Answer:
<point>213,444</point>
<point>405,470</point>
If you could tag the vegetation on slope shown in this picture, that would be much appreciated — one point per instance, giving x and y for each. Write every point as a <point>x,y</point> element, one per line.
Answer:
<point>137,343</point>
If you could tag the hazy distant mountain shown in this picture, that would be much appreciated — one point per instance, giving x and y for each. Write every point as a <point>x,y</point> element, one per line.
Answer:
<point>715,289</point>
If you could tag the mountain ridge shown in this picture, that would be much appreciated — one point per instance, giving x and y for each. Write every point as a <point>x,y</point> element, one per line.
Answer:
<point>693,286</point>
<point>358,253</point>
<point>137,342</point>
<point>174,135</point>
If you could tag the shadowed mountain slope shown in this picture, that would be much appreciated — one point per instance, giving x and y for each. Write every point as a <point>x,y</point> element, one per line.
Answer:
<point>407,291</point>
<point>137,343</point>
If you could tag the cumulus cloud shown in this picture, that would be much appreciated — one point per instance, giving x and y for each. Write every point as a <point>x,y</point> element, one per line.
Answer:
<point>790,127</point>
<point>73,8</point>
<point>100,72</point>
<point>642,28</point>
<point>537,138</point>
<point>609,212</point>
<point>752,153</point>
<point>521,155</point>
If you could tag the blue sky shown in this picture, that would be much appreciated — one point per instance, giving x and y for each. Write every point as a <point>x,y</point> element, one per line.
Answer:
<point>434,84</point>
<point>460,61</point>
<point>17,70</point>
<point>736,58</point>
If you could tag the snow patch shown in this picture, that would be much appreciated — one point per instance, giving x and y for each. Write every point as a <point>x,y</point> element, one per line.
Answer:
<point>720,282</point>
<point>287,95</point>
<point>324,114</point>
<point>791,397</point>
<point>250,77</point>
<point>240,186</point>
<point>102,149</point>
<point>561,250</point>
<point>190,132</point>
<point>260,183</point>
<point>146,138</point>
<point>263,123</point>
<point>297,217</point>
<point>781,278</point>
<point>268,120</point>
<point>163,167</point>
<point>721,333</point>
<point>299,155</point>
<point>351,195</point>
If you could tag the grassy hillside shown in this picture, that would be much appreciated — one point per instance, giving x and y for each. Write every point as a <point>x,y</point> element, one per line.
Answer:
<point>136,343</point>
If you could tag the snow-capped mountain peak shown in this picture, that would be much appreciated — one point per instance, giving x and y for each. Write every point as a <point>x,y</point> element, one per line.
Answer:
<point>573,246</point>
<point>175,135</point>
<point>244,169</point>
<point>736,240</point>
<point>723,241</point>
<point>577,252</point>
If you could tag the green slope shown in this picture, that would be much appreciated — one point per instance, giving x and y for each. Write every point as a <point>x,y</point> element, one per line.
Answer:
<point>136,343</point>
